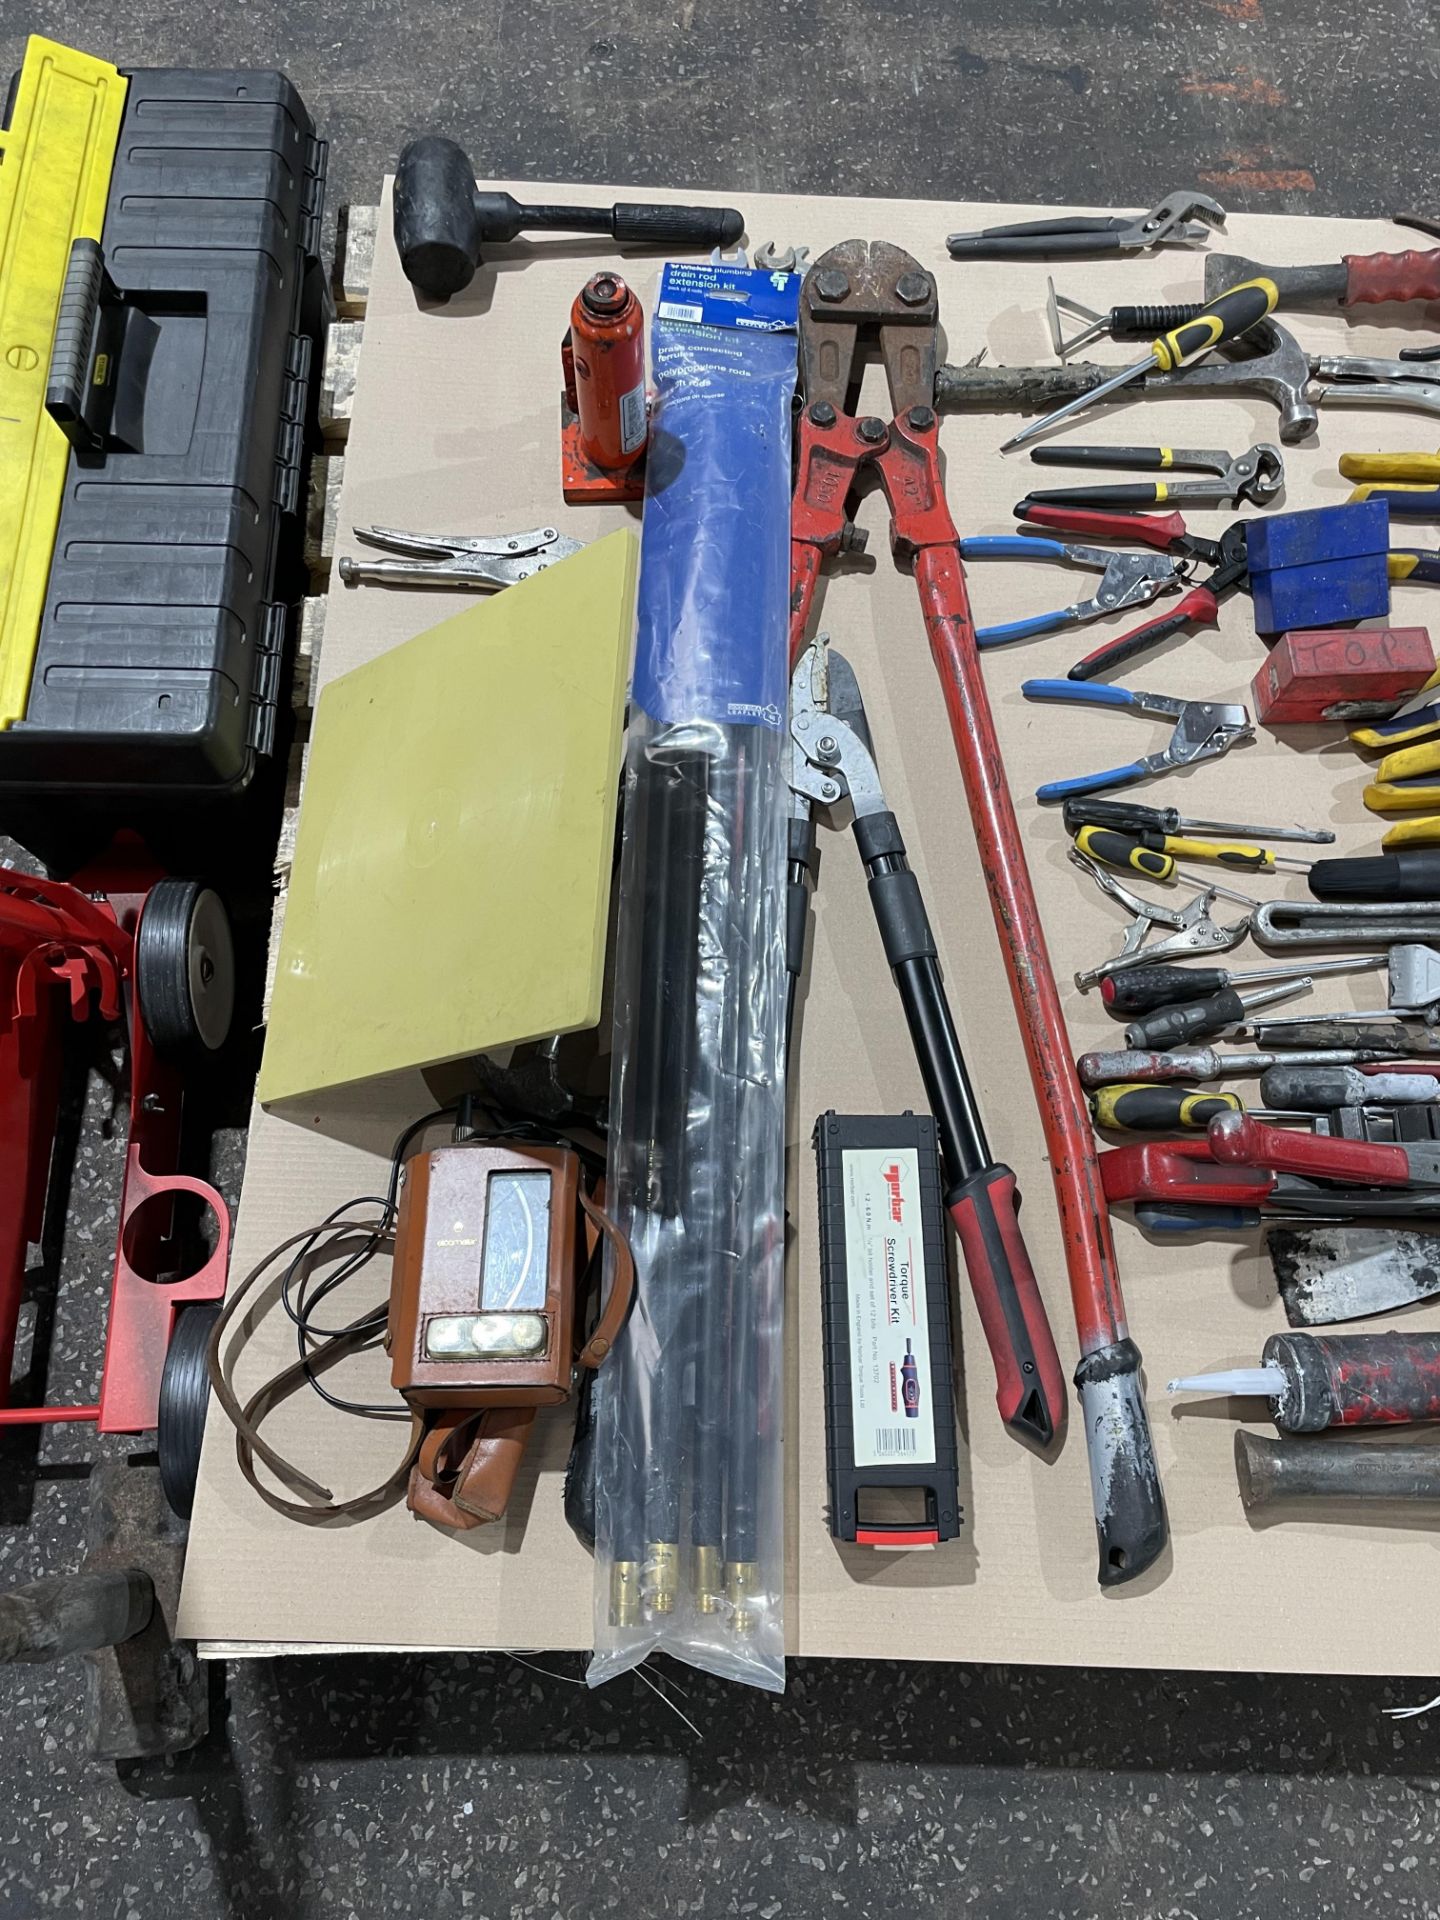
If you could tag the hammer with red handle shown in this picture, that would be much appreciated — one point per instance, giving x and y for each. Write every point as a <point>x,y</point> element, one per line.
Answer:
<point>1360,279</point>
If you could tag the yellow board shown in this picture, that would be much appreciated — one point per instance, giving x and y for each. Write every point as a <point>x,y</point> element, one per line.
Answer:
<point>55,164</point>
<point>451,882</point>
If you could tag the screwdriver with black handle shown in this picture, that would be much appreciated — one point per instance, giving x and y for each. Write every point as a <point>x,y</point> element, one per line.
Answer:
<point>1128,816</point>
<point>1409,873</point>
<point>1172,1026</point>
<point>1138,989</point>
<point>1219,320</point>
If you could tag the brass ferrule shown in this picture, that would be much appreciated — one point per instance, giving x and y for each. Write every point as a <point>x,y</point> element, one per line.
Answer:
<point>625,1593</point>
<point>742,1587</point>
<point>662,1574</point>
<point>709,1587</point>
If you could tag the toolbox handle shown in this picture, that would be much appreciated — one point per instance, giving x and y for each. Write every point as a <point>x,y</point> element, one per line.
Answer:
<point>68,386</point>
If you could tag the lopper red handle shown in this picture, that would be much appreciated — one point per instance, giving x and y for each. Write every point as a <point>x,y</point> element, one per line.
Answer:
<point>1029,1386</point>
<point>1392,276</point>
<point>1238,1141</point>
<point>1198,607</point>
<point>1160,530</point>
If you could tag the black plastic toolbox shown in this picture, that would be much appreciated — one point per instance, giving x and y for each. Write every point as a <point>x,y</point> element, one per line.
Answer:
<point>160,656</point>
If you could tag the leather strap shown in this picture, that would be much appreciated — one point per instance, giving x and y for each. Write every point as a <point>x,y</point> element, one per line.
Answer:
<point>468,1461</point>
<point>622,1288</point>
<point>457,1491</point>
<point>332,1240</point>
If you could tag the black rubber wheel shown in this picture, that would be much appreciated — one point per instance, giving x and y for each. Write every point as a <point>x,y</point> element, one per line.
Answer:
<point>185,968</point>
<point>184,1396</point>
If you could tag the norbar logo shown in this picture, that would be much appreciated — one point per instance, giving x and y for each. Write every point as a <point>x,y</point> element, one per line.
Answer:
<point>891,1177</point>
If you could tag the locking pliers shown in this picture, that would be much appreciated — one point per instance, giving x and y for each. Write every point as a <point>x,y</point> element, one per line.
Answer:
<point>456,559</point>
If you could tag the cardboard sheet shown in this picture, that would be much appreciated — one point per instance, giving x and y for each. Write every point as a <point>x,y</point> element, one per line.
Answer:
<point>455,426</point>
<point>421,811</point>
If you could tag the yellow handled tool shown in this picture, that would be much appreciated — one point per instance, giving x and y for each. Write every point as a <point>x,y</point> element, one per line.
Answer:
<point>1223,318</point>
<point>1407,781</point>
<point>1416,720</point>
<point>1424,832</point>
<point>1137,1107</point>
<point>1156,854</point>
<point>1404,469</point>
<point>1123,850</point>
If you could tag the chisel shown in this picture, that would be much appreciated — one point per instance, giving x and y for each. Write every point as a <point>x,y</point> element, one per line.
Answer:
<point>1138,989</point>
<point>1320,1089</point>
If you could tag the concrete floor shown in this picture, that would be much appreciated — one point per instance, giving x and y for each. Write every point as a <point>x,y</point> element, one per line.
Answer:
<point>358,1787</point>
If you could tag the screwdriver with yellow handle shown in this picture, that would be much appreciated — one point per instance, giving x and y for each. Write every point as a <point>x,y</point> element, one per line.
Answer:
<point>1224,318</point>
<point>1135,1107</point>
<point>1410,482</point>
<point>1406,781</point>
<point>1126,850</point>
<point>1424,832</point>
<point>1416,720</point>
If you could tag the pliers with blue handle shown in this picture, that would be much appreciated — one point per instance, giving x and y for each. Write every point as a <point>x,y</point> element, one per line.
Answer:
<point>1129,580</point>
<point>1203,730</point>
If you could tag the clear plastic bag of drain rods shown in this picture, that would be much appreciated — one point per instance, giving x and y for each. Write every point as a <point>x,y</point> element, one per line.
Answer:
<point>689,1437</point>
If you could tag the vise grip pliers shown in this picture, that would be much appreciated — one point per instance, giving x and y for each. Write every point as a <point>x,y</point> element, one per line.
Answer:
<point>486,560</point>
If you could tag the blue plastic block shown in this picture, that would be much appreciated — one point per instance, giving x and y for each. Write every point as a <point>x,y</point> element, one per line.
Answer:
<point>1320,568</point>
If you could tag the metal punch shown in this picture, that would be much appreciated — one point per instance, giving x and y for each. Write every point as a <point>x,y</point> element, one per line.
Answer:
<point>1192,928</point>
<point>485,561</point>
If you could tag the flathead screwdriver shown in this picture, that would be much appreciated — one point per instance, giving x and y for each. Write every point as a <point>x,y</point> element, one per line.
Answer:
<point>1125,1064</point>
<point>1157,861</point>
<point>1224,318</point>
<point>1172,1026</point>
<point>1138,989</point>
<point>1127,816</point>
